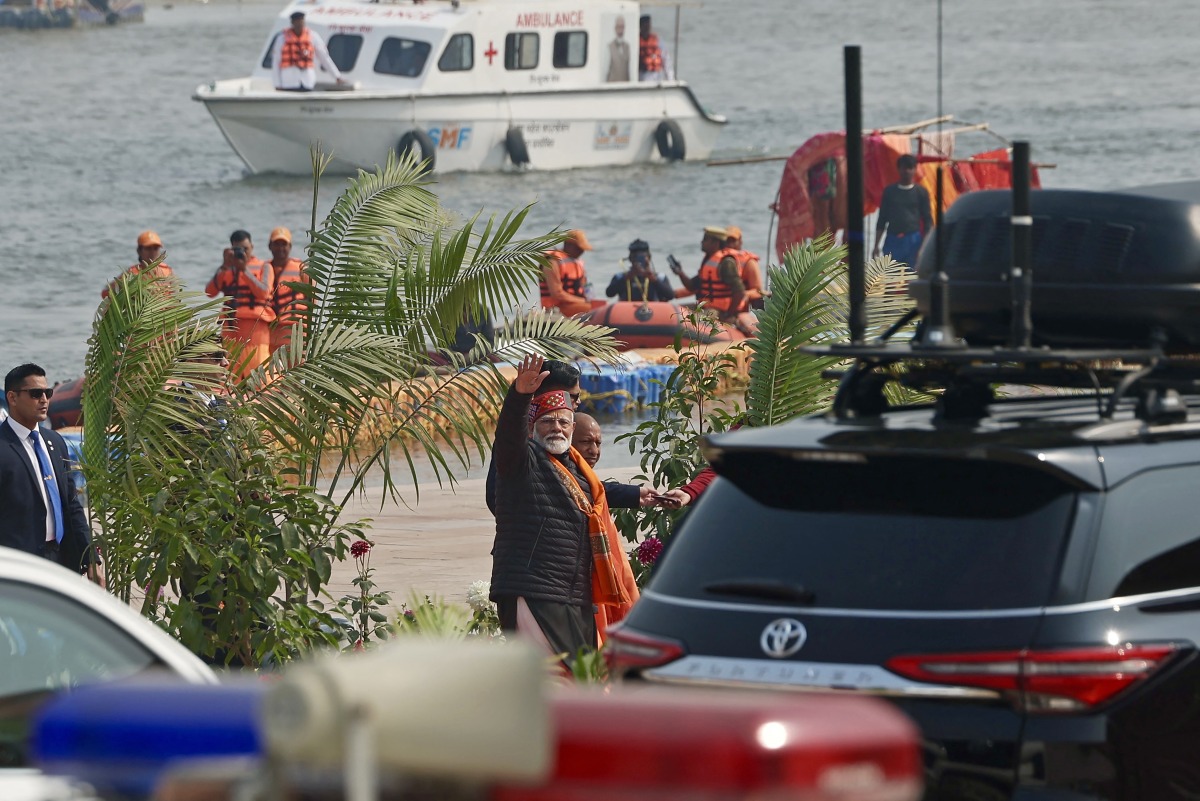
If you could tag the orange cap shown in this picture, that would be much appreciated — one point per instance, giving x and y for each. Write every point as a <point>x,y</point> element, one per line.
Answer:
<point>280,233</point>
<point>148,239</point>
<point>579,239</point>
<point>733,232</point>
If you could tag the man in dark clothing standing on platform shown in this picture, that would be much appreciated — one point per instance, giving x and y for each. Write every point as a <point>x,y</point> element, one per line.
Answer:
<point>904,213</point>
<point>542,561</point>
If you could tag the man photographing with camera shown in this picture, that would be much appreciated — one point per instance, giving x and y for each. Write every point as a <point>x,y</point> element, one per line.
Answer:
<point>246,282</point>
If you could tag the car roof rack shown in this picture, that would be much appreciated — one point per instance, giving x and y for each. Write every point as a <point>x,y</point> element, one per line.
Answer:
<point>1119,280</point>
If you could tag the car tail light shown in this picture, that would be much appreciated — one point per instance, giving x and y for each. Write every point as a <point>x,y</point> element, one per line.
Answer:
<point>688,744</point>
<point>1065,680</point>
<point>624,650</point>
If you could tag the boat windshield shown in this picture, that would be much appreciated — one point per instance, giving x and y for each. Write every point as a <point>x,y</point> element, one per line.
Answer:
<point>403,57</point>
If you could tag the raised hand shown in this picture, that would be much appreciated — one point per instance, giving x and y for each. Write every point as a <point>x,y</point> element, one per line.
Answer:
<point>530,374</point>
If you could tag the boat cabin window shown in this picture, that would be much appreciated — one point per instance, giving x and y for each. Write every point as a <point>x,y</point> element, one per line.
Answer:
<point>459,53</point>
<point>520,51</point>
<point>570,48</point>
<point>344,49</point>
<point>267,60</point>
<point>404,57</point>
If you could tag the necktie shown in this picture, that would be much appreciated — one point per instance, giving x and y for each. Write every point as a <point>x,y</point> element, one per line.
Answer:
<point>51,486</point>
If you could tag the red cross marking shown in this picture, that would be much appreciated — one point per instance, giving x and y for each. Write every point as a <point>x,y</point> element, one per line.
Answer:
<point>491,52</point>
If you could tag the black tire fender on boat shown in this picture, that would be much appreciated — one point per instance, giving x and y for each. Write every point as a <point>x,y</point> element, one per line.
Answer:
<point>418,140</point>
<point>514,145</point>
<point>669,138</point>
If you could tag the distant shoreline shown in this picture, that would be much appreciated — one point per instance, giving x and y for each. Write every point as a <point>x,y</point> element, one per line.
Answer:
<point>169,4</point>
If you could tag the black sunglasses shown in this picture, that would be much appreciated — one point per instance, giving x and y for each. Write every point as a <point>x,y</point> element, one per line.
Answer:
<point>37,393</point>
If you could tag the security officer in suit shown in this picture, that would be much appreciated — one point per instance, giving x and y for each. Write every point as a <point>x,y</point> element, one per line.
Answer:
<point>41,513</point>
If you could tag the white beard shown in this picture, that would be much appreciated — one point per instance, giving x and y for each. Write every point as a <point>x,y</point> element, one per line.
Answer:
<point>554,443</point>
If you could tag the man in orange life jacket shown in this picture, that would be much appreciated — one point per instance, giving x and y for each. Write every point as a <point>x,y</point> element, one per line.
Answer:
<point>287,299</point>
<point>149,248</point>
<point>719,283</point>
<point>564,279</point>
<point>247,287</point>
<point>653,64</point>
<point>747,267</point>
<point>292,57</point>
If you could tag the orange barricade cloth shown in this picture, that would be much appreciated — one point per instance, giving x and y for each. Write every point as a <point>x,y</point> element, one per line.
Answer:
<point>812,192</point>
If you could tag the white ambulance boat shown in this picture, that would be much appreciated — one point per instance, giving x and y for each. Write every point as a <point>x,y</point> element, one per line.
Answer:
<point>470,85</point>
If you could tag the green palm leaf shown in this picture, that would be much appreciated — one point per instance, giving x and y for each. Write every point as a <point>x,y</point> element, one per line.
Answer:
<point>143,349</point>
<point>784,381</point>
<point>808,306</point>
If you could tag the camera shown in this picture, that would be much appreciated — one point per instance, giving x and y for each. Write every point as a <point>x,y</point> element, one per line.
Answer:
<point>239,253</point>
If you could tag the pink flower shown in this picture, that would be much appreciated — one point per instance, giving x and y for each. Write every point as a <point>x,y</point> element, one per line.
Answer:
<point>649,550</point>
<point>360,548</point>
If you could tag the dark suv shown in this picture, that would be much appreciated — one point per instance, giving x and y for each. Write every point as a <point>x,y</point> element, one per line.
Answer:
<point>1018,571</point>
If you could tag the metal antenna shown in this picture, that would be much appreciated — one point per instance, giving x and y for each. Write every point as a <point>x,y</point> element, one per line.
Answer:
<point>939,333</point>
<point>1021,275</point>
<point>854,194</point>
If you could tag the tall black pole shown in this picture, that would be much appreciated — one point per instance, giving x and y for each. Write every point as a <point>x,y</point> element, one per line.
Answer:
<point>939,333</point>
<point>1021,275</point>
<point>854,194</point>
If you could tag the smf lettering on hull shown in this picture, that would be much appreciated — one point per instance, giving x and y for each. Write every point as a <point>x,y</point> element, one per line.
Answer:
<point>451,137</point>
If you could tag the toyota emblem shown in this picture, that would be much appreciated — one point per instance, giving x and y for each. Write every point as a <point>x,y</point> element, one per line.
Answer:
<point>783,637</point>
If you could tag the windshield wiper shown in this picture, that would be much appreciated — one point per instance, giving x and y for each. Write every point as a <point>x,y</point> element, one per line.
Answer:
<point>764,589</point>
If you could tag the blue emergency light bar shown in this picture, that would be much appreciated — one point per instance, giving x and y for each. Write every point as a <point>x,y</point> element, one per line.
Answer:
<point>121,737</point>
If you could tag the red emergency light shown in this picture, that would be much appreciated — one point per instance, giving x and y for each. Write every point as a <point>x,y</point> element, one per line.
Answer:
<point>671,744</point>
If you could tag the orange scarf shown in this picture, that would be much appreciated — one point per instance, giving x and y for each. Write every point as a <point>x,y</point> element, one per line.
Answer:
<point>614,589</point>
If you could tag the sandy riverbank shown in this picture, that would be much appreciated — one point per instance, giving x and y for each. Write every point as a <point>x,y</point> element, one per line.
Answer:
<point>437,548</point>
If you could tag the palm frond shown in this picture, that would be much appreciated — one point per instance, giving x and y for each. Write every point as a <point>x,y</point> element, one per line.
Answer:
<point>144,346</point>
<point>886,295</point>
<point>784,381</point>
<point>372,228</point>
<point>554,337</point>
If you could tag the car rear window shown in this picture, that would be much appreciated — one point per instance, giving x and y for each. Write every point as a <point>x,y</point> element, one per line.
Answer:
<point>887,534</point>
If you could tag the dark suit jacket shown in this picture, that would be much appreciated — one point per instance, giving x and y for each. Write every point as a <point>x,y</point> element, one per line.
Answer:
<point>22,510</point>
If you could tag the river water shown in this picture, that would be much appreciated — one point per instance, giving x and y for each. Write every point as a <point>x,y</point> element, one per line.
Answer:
<point>99,138</point>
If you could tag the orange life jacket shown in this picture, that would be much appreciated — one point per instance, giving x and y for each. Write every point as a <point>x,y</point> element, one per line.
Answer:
<point>248,301</point>
<point>287,300</point>
<point>297,50</point>
<point>570,272</point>
<point>714,292</point>
<point>750,274</point>
<point>650,57</point>
<point>159,272</point>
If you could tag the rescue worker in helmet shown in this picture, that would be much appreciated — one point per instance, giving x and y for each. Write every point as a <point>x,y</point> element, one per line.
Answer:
<point>149,250</point>
<point>718,285</point>
<point>564,279</point>
<point>747,267</point>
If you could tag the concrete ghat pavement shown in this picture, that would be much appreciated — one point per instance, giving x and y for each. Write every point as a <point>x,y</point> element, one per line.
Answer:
<point>438,547</point>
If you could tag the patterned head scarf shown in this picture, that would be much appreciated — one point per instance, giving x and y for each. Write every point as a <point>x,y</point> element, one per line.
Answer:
<point>549,402</point>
